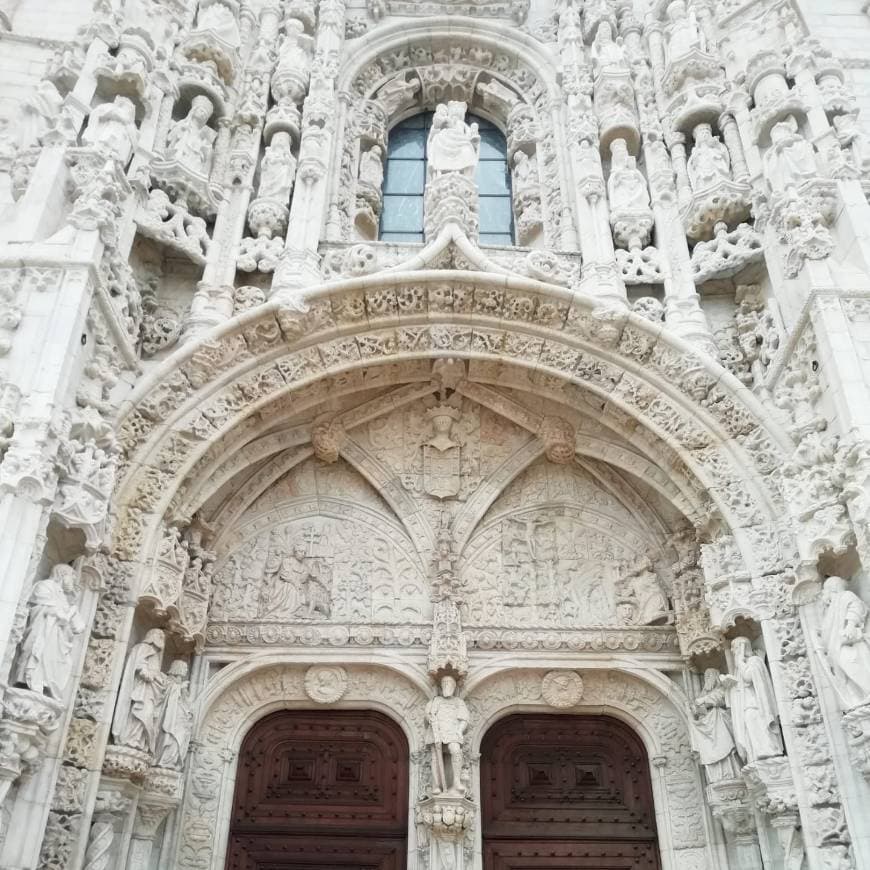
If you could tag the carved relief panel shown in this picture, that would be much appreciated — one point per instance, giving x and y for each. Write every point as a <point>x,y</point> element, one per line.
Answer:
<point>301,564</point>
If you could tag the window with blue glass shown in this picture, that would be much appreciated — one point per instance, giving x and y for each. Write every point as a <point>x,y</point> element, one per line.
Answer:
<point>405,179</point>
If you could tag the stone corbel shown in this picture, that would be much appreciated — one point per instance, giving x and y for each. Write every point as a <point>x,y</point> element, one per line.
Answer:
<point>730,802</point>
<point>161,795</point>
<point>772,788</point>
<point>28,719</point>
<point>443,823</point>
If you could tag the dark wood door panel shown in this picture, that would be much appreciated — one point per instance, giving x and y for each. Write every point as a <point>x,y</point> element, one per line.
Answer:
<point>314,853</point>
<point>566,793</point>
<point>321,791</point>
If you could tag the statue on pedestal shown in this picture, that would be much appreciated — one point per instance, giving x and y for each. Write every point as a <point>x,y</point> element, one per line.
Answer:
<point>845,644</point>
<point>753,705</point>
<point>112,127</point>
<point>684,35</point>
<point>371,167</point>
<point>712,737</point>
<point>141,695</point>
<point>191,140</point>
<point>607,55</point>
<point>45,659</point>
<point>626,186</point>
<point>709,163</point>
<point>278,169</point>
<point>176,719</point>
<point>446,722</point>
<point>453,146</point>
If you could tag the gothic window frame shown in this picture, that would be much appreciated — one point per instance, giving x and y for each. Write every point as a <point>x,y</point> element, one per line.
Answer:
<point>405,172</point>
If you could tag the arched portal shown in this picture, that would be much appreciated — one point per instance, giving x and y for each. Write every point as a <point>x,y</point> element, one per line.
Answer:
<point>566,791</point>
<point>321,789</point>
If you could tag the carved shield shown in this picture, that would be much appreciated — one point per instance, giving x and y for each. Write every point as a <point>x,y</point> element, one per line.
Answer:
<point>441,471</point>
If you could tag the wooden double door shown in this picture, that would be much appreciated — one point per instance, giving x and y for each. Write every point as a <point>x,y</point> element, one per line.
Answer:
<point>321,791</point>
<point>566,793</point>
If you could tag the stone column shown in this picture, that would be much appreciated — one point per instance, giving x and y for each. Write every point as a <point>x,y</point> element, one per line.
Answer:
<point>299,265</point>
<point>683,312</point>
<point>731,136</point>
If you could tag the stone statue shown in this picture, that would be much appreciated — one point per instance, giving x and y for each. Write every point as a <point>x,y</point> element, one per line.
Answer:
<point>651,604</point>
<point>112,127</point>
<point>140,697</point>
<point>191,140</point>
<point>446,722</point>
<point>753,705</point>
<point>45,660</point>
<point>371,167</point>
<point>453,146</point>
<point>38,114</point>
<point>527,181</point>
<point>712,736</point>
<point>176,719</point>
<point>627,190</point>
<point>278,169</point>
<point>791,159</point>
<point>684,34</point>
<point>845,643</point>
<point>709,163</point>
<point>607,55</point>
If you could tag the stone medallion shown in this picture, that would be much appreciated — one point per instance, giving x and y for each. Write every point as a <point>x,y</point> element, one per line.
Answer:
<point>562,688</point>
<point>325,684</point>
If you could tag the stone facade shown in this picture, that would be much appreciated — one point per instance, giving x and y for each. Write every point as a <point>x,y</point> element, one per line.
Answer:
<point>253,458</point>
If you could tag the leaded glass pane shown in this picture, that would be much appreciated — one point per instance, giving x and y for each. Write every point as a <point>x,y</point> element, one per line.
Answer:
<point>493,179</point>
<point>405,176</point>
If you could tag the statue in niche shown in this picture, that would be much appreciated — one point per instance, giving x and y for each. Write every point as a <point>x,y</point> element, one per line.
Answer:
<point>39,112</point>
<point>299,585</point>
<point>684,35</point>
<point>648,604</point>
<point>217,17</point>
<point>791,159</point>
<point>176,718</point>
<point>626,186</point>
<point>191,140</point>
<point>140,697</point>
<point>45,660</point>
<point>845,646</point>
<point>712,735</point>
<point>453,145</point>
<point>608,55</point>
<point>446,722</point>
<point>292,57</point>
<point>112,127</point>
<point>371,167</point>
<point>278,169</point>
<point>709,163</point>
<point>753,705</point>
<point>527,181</point>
